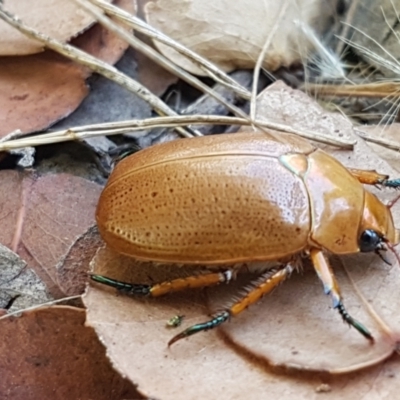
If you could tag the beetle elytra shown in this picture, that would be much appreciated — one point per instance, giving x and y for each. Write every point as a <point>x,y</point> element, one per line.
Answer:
<point>229,199</point>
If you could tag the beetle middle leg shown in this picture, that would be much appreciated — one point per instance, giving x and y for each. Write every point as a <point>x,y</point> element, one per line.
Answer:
<point>331,287</point>
<point>264,286</point>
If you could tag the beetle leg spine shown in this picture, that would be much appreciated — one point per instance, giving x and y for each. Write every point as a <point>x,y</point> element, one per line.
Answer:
<point>262,288</point>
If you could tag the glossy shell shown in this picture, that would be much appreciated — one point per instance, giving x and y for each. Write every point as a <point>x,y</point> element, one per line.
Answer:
<point>231,198</point>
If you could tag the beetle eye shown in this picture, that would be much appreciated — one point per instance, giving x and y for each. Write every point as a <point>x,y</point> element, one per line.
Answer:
<point>369,241</point>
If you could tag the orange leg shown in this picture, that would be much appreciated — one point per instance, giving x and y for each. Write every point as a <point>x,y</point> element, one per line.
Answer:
<point>331,287</point>
<point>159,289</point>
<point>374,178</point>
<point>273,279</point>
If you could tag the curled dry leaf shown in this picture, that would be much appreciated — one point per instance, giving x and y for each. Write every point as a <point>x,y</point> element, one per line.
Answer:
<point>48,353</point>
<point>238,30</point>
<point>73,267</point>
<point>20,287</point>
<point>42,217</point>
<point>294,327</point>
<point>58,19</point>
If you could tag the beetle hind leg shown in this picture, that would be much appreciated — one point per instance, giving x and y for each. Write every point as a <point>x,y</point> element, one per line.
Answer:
<point>160,289</point>
<point>265,285</point>
<point>331,287</point>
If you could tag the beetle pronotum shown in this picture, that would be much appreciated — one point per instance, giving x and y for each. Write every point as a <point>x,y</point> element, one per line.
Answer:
<point>227,199</point>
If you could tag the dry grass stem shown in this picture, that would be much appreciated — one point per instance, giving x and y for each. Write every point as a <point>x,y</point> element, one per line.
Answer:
<point>115,128</point>
<point>257,68</point>
<point>47,304</point>
<point>374,89</point>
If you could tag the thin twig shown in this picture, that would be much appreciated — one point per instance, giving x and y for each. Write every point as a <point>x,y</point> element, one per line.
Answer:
<point>114,128</point>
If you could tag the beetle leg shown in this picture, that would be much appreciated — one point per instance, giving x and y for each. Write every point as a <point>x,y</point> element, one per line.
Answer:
<point>374,178</point>
<point>331,287</point>
<point>368,177</point>
<point>159,289</point>
<point>263,287</point>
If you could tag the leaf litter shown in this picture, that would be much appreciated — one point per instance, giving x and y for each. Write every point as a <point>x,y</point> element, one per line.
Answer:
<point>231,360</point>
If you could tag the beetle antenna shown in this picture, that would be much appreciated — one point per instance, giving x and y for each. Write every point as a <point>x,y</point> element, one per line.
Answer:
<point>392,249</point>
<point>391,203</point>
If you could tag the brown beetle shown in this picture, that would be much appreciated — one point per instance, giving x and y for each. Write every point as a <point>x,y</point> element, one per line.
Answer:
<point>228,199</point>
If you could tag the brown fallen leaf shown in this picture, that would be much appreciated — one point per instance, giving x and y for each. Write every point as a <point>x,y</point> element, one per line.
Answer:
<point>37,90</point>
<point>237,30</point>
<point>49,354</point>
<point>294,327</point>
<point>43,216</point>
<point>58,19</point>
<point>20,287</point>
<point>74,265</point>
<point>100,42</point>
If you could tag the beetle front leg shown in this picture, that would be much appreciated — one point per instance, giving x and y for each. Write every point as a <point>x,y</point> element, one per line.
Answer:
<point>159,289</point>
<point>331,287</point>
<point>374,178</point>
<point>264,286</point>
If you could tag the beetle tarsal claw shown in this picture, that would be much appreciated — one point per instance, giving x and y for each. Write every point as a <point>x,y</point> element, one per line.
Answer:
<point>382,257</point>
<point>354,323</point>
<point>204,326</point>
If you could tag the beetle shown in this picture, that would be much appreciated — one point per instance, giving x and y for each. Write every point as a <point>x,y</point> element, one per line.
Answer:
<point>227,199</point>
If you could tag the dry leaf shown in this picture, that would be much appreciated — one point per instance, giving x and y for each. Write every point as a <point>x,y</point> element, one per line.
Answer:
<point>232,34</point>
<point>19,285</point>
<point>73,267</point>
<point>389,133</point>
<point>101,42</point>
<point>49,354</point>
<point>58,19</point>
<point>294,327</point>
<point>38,90</point>
<point>152,76</point>
<point>42,217</point>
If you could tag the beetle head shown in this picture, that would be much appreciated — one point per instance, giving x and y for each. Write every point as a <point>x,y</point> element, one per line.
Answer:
<point>377,229</point>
